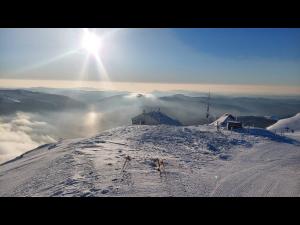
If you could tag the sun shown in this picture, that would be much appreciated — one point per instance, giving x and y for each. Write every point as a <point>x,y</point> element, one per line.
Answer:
<point>91,42</point>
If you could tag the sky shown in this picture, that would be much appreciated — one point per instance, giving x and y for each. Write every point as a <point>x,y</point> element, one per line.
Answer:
<point>232,57</point>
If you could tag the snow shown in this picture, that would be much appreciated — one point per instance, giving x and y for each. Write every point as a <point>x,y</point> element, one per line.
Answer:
<point>198,161</point>
<point>153,118</point>
<point>291,123</point>
<point>223,119</point>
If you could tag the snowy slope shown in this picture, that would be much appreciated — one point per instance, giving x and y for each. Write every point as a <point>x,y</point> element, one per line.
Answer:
<point>163,118</point>
<point>155,117</point>
<point>198,161</point>
<point>291,123</point>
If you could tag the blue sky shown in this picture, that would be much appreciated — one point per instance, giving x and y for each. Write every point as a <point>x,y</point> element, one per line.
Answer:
<point>251,43</point>
<point>219,56</point>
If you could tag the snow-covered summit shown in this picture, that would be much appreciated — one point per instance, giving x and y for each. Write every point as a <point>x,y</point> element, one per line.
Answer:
<point>158,161</point>
<point>154,118</point>
<point>292,123</point>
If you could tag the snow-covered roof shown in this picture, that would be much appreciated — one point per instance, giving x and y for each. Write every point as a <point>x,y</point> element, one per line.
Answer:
<point>223,119</point>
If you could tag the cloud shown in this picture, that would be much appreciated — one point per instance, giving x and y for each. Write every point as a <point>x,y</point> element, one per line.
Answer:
<point>20,133</point>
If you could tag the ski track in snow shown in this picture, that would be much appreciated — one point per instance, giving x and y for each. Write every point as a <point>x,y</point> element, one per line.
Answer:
<point>198,161</point>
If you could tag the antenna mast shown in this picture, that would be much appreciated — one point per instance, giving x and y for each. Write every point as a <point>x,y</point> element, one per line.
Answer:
<point>208,104</point>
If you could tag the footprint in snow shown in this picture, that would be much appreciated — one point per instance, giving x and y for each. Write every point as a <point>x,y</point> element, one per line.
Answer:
<point>104,191</point>
<point>94,189</point>
<point>57,193</point>
<point>87,194</point>
<point>225,157</point>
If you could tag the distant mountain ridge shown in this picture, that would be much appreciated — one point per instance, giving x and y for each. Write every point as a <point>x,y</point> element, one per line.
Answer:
<point>28,101</point>
<point>240,106</point>
<point>256,121</point>
<point>189,110</point>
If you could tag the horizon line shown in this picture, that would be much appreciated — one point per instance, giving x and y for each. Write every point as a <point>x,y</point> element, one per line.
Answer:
<point>155,86</point>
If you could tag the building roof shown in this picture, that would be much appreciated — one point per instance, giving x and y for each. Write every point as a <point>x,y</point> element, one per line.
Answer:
<point>159,117</point>
<point>223,119</point>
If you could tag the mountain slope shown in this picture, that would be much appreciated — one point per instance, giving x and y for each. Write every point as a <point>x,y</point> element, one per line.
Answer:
<point>154,118</point>
<point>291,123</point>
<point>82,95</point>
<point>28,101</point>
<point>196,161</point>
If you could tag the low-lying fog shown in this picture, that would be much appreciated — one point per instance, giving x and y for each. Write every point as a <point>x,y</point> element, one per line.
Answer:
<point>24,126</point>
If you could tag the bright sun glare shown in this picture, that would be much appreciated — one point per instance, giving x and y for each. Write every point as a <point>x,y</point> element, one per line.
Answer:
<point>91,42</point>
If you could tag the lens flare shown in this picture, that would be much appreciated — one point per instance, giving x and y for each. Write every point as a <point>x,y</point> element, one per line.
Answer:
<point>91,42</point>
<point>92,122</point>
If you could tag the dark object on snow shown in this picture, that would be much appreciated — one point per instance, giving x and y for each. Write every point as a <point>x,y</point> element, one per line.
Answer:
<point>231,125</point>
<point>160,166</point>
<point>127,158</point>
